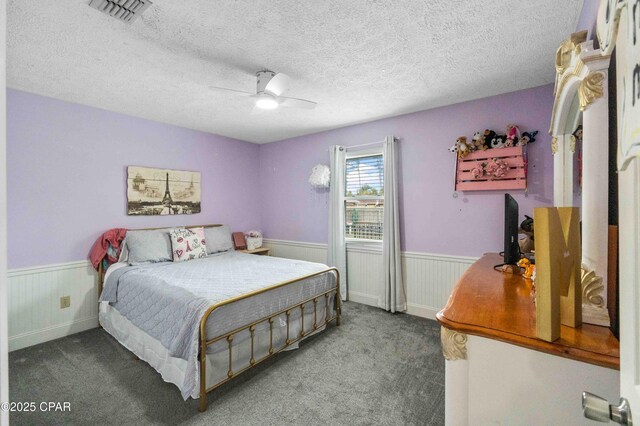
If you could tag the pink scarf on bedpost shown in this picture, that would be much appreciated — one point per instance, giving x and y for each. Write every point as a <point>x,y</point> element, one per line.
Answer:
<point>100,250</point>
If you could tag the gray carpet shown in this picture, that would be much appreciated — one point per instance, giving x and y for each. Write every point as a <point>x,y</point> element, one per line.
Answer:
<point>376,368</point>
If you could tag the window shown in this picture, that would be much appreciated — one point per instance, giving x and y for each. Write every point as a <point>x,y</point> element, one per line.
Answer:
<point>364,197</point>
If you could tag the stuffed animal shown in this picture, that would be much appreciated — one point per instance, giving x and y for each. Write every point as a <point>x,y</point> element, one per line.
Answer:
<point>528,268</point>
<point>453,148</point>
<point>578,133</point>
<point>527,137</point>
<point>498,141</point>
<point>512,136</point>
<point>478,141</point>
<point>463,147</point>
<point>488,137</point>
<point>526,243</point>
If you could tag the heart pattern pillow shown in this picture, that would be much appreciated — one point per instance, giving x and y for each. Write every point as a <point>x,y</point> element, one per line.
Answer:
<point>188,244</point>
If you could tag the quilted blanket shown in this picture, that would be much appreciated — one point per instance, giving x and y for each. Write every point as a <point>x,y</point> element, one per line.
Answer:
<point>167,300</point>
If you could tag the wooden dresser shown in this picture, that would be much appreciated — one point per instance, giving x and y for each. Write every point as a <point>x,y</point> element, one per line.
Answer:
<point>498,372</point>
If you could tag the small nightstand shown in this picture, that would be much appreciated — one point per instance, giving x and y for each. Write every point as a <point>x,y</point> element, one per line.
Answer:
<point>262,251</point>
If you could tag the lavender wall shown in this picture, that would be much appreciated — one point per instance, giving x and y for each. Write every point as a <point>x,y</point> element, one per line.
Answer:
<point>588,17</point>
<point>67,175</point>
<point>433,221</point>
<point>67,170</point>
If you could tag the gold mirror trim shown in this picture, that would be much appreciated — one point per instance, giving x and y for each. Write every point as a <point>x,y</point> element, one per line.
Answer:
<point>454,344</point>
<point>572,59</point>
<point>592,288</point>
<point>572,143</point>
<point>561,81</point>
<point>591,89</point>
<point>569,47</point>
<point>554,145</point>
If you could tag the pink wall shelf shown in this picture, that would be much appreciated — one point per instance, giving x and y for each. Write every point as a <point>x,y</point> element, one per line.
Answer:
<point>514,178</point>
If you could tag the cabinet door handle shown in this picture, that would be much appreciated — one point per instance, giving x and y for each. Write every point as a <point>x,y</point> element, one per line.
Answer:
<point>599,409</point>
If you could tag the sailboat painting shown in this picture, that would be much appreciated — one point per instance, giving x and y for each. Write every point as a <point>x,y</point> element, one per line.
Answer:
<point>162,192</point>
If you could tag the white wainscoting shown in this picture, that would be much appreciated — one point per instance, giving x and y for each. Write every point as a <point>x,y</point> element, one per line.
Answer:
<point>34,302</point>
<point>34,293</point>
<point>311,252</point>
<point>429,278</point>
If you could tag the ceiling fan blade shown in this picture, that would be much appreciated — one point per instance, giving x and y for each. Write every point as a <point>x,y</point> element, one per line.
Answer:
<point>230,91</point>
<point>296,103</point>
<point>278,84</point>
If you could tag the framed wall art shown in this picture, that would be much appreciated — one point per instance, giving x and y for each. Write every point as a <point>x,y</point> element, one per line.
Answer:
<point>162,192</point>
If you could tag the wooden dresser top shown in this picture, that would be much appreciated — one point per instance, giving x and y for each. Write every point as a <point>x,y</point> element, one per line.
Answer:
<point>501,306</point>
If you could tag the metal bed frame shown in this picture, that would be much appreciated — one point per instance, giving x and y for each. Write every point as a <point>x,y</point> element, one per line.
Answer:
<point>204,343</point>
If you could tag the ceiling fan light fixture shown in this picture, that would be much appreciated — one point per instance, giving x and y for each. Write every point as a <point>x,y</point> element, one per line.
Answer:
<point>266,101</point>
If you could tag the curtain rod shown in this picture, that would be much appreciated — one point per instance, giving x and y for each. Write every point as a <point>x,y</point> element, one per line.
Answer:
<point>364,144</point>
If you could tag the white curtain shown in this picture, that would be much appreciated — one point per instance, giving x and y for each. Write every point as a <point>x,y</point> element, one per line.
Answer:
<point>393,295</point>
<point>337,250</point>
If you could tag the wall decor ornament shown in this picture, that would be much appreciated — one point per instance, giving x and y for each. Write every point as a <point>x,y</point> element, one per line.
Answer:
<point>162,192</point>
<point>320,175</point>
<point>492,161</point>
<point>492,169</point>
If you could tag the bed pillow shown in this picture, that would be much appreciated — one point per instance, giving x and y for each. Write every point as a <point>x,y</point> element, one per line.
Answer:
<point>149,246</point>
<point>124,253</point>
<point>218,239</point>
<point>188,244</point>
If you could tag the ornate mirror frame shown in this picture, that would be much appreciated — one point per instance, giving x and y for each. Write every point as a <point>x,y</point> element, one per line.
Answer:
<point>609,24</point>
<point>582,86</point>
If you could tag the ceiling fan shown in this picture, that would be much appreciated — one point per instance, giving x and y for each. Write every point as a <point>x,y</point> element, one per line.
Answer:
<point>269,89</point>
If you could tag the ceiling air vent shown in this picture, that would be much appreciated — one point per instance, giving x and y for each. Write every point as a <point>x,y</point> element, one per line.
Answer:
<point>123,10</point>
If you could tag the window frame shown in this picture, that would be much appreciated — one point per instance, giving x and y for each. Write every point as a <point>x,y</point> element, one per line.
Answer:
<point>377,244</point>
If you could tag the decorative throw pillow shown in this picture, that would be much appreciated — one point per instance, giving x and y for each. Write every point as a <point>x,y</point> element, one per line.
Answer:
<point>188,244</point>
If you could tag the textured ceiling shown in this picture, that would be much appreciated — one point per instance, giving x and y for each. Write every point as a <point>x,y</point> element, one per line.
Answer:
<point>360,60</point>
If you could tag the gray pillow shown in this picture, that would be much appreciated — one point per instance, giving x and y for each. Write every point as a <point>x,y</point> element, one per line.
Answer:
<point>149,246</point>
<point>218,239</point>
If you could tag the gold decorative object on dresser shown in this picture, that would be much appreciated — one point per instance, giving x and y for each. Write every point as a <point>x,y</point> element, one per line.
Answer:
<point>558,283</point>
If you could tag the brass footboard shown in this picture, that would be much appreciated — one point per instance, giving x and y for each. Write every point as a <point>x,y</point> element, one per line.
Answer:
<point>204,342</point>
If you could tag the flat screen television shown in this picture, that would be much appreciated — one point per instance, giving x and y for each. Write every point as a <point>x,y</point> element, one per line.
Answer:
<point>511,247</point>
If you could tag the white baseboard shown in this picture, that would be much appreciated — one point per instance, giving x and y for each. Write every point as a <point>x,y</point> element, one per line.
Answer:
<point>422,311</point>
<point>51,333</point>
<point>412,308</point>
<point>428,277</point>
<point>35,315</point>
<point>365,299</point>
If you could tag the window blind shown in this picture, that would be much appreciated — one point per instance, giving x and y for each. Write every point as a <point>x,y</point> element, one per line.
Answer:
<point>365,176</point>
